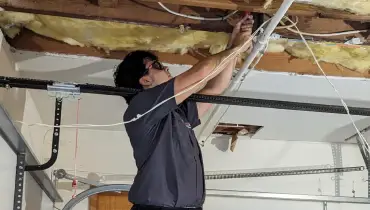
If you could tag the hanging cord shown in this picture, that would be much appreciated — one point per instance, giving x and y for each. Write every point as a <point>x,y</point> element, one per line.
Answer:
<point>344,104</point>
<point>74,182</point>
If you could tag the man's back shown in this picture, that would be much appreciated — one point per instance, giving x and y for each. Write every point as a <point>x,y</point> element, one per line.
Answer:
<point>166,151</point>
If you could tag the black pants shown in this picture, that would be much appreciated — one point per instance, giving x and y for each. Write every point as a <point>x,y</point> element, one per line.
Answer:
<point>143,207</point>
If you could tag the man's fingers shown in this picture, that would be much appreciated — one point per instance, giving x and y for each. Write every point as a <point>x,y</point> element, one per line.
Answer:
<point>244,19</point>
<point>245,28</point>
<point>248,22</point>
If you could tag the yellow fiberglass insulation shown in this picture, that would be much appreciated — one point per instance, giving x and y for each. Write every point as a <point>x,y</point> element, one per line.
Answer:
<point>114,35</point>
<point>361,7</point>
<point>354,58</point>
<point>120,36</point>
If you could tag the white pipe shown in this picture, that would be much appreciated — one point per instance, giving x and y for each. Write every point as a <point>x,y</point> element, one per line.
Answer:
<point>239,77</point>
<point>261,42</point>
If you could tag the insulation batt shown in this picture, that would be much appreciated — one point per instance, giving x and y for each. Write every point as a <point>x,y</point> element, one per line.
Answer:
<point>120,36</point>
<point>361,7</point>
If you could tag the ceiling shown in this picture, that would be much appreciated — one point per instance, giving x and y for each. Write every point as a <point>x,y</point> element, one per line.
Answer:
<point>277,124</point>
<point>111,30</point>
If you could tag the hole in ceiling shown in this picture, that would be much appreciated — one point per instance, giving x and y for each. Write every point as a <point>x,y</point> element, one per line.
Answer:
<point>239,129</point>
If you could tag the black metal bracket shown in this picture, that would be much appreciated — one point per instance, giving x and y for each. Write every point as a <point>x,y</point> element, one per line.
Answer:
<point>55,142</point>
<point>19,181</point>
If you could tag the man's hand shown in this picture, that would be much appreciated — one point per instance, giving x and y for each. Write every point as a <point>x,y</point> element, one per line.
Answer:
<point>241,33</point>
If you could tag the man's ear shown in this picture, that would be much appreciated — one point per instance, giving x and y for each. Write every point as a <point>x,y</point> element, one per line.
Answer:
<point>145,81</point>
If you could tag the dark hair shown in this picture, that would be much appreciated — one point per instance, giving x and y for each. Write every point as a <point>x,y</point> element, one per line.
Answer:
<point>131,69</point>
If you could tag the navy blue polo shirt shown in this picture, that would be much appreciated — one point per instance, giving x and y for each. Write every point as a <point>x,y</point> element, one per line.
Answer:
<point>166,151</point>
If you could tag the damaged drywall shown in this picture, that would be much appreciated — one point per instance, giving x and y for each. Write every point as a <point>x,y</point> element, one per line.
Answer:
<point>120,36</point>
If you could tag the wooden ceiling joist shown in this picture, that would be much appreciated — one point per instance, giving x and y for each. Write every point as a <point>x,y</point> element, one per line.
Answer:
<point>327,26</point>
<point>276,62</point>
<point>132,11</point>
<point>297,9</point>
<point>125,11</point>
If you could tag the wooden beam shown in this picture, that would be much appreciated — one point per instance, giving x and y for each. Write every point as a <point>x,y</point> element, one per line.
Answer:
<point>28,40</point>
<point>296,9</point>
<point>125,12</point>
<point>283,62</point>
<point>276,62</point>
<point>108,3</point>
<point>325,26</point>
<point>131,12</point>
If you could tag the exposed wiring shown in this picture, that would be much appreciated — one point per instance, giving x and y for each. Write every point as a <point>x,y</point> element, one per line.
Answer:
<point>363,139</point>
<point>288,26</point>
<point>326,34</point>
<point>217,68</point>
<point>196,17</point>
<point>294,24</point>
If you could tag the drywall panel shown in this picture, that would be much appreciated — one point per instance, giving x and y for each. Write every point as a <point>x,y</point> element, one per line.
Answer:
<point>261,154</point>
<point>34,135</point>
<point>8,161</point>
<point>109,153</point>
<point>34,198</point>
<point>298,125</point>
<point>67,196</point>
<point>11,99</point>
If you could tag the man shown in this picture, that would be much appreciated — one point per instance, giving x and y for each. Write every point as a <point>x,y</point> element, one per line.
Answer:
<point>168,158</point>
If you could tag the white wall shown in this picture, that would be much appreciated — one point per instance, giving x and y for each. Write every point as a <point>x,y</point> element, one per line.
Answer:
<point>8,161</point>
<point>109,153</point>
<point>34,198</point>
<point>14,102</point>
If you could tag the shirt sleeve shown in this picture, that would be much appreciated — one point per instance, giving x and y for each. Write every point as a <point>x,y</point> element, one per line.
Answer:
<point>150,98</point>
<point>191,111</point>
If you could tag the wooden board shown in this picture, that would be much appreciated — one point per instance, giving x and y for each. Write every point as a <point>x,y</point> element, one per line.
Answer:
<point>110,201</point>
<point>257,6</point>
<point>131,12</point>
<point>318,25</point>
<point>125,11</point>
<point>277,62</point>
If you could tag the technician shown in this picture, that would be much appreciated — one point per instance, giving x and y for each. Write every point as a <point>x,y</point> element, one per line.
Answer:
<point>170,171</point>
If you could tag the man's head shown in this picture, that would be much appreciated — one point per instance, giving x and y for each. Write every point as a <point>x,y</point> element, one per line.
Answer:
<point>140,70</point>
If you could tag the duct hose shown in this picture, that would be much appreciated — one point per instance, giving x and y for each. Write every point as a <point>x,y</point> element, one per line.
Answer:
<point>93,191</point>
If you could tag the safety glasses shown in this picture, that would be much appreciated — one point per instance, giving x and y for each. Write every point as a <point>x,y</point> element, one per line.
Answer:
<point>156,65</point>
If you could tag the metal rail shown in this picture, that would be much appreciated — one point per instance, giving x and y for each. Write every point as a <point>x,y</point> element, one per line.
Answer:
<point>9,82</point>
<point>225,193</point>
<point>284,173</point>
<point>292,197</point>
<point>62,174</point>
